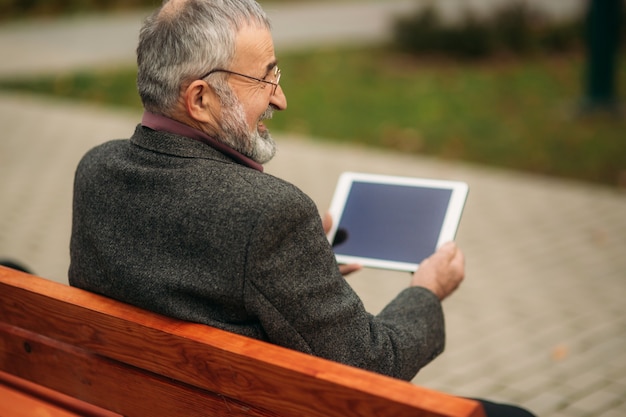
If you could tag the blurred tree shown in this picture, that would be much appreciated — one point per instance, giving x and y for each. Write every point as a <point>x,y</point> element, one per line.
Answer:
<point>602,37</point>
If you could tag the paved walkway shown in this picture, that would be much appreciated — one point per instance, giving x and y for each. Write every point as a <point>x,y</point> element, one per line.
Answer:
<point>540,319</point>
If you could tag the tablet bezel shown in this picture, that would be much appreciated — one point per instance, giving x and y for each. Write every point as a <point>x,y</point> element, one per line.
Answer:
<point>458,197</point>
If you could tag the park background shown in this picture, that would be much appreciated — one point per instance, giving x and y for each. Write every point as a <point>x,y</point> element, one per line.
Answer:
<point>540,318</point>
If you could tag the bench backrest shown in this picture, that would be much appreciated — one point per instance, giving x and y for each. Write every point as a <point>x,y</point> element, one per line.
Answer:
<point>137,363</point>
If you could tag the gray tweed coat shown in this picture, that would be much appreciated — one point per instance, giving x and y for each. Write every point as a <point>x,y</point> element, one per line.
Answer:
<point>172,225</point>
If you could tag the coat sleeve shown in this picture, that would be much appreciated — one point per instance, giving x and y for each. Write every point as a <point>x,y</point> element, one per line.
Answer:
<point>293,285</point>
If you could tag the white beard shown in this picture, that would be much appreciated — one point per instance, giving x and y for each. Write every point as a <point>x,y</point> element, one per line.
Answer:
<point>256,145</point>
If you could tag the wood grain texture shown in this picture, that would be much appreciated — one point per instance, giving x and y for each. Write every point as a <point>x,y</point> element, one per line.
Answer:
<point>37,400</point>
<point>136,362</point>
<point>15,403</point>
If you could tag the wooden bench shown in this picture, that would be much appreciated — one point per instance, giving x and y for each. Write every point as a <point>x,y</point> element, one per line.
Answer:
<point>68,352</point>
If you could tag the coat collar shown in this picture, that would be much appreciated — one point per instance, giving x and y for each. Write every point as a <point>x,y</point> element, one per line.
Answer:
<point>164,124</point>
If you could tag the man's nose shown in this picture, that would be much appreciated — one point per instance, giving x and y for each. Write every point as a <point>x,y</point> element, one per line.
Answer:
<point>279,100</point>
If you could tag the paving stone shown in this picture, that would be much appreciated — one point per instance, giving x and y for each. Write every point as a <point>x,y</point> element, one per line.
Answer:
<point>614,412</point>
<point>545,403</point>
<point>598,402</point>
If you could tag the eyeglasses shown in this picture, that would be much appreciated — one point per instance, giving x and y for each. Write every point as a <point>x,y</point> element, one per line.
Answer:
<point>274,84</point>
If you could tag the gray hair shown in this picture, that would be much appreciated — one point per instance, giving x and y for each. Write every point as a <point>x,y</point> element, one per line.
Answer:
<point>183,40</point>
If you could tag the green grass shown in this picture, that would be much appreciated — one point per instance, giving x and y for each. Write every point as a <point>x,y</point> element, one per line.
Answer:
<point>109,88</point>
<point>513,114</point>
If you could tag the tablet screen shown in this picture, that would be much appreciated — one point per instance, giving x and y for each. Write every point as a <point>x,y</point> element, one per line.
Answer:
<point>393,222</point>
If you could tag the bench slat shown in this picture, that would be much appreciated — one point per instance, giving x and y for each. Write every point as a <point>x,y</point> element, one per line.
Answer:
<point>106,383</point>
<point>247,371</point>
<point>18,404</point>
<point>47,398</point>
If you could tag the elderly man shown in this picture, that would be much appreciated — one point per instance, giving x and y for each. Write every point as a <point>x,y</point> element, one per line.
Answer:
<point>182,220</point>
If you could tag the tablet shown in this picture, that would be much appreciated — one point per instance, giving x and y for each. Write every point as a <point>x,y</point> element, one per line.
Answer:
<point>391,222</point>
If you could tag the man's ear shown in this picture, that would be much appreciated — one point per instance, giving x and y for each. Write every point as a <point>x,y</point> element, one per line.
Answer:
<point>200,101</point>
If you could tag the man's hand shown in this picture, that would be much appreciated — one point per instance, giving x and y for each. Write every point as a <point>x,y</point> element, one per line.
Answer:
<point>442,272</point>
<point>327,222</point>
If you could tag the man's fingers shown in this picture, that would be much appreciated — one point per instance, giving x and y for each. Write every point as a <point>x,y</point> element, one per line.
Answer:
<point>349,269</point>
<point>327,222</point>
<point>447,251</point>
